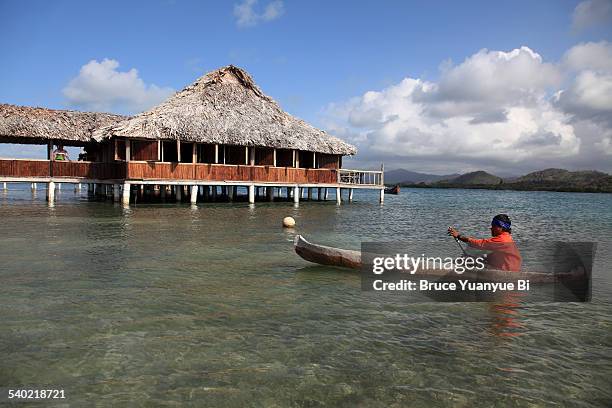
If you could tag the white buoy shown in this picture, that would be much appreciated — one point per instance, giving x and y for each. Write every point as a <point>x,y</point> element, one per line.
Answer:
<point>288,222</point>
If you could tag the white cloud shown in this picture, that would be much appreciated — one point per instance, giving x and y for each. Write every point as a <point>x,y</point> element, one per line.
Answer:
<point>593,56</point>
<point>247,16</point>
<point>496,110</point>
<point>592,12</point>
<point>100,86</point>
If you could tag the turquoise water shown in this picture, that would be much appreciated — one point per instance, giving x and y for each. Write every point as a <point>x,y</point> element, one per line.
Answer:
<point>174,305</point>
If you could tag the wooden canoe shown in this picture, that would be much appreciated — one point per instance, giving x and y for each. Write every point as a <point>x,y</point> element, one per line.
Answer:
<point>325,255</point>
<point>345,258</point>
<point>393,190</point>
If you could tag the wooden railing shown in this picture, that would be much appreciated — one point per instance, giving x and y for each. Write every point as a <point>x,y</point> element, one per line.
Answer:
<point>68,169</point>
<point>24,168</point>
<point>360,177</point>
<point>184,171</point>
<point>222,172</point>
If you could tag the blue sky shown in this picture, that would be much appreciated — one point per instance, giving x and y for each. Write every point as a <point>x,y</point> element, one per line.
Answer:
<point>317,59</point>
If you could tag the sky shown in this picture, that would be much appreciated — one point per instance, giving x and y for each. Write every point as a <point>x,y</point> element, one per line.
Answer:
<point>436,86</point>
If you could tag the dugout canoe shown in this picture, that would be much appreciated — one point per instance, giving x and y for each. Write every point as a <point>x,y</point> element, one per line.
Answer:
<point>345,258</point>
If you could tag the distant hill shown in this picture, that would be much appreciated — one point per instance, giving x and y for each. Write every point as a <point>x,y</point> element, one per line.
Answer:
<point>402,176</point>
<point>546,180</point>
<point>564,180</point>
<point>474,178</point>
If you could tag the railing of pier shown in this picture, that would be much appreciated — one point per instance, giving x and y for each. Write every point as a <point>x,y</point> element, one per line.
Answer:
<point>360,177</point>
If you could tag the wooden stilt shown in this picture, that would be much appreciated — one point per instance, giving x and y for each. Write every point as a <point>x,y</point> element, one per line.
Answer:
<point>382,195</point>
<point>125,194</point>
<point>270,193</point>
<point>51,191</point>
<point>116,193</point>
<point>179,193</point>
<point>194,194</point>
<point>252,194</point>
<point>338,195</point>
<point>296,194</point>
<point>309,193</point>
<point>326,194</point>
<point>350,195</point>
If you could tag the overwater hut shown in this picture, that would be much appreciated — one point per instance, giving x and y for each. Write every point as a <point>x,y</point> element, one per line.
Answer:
<point>222,130</point>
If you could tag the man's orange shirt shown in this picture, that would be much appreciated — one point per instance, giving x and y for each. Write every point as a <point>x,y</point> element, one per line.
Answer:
<point>504,256</point>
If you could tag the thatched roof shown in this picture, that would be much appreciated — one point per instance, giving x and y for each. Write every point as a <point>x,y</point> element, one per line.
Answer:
<point>22,124</point>
<point>226,107</point>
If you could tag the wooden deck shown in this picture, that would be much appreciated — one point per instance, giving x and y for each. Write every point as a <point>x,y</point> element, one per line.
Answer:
<point>183,173</point>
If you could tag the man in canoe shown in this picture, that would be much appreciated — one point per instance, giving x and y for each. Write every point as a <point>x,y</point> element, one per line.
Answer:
<point>505,255</point>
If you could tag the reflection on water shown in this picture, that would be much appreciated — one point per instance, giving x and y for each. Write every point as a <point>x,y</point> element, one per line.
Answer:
<point>208,305</point>
<point>507,317</point>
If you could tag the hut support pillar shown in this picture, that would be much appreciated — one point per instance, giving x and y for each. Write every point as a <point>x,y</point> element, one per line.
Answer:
<point>338,196</point>
<point>162,192</point>
<point>116,193</point>
<point>34,186</point>
<point>270,193</point>
<point>125,194</point>
<point>296,194</point>
<point>319,194</point>
<point>59,186</point>
<point>50,191</point>
<point>179,193</point>
<point>4,185</point>
<point>350,195</point>
<point>325,194</point>
<point>309,193</point>
<point>194,194</point>
<point>382,195</point>
<point>252,194</point>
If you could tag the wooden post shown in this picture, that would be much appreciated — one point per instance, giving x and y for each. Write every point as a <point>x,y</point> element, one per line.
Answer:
<point>231,193</point>
<point>178,150</point>
<point>270,193</point>
<point>309,193</point>
<point>296,194</point>
<point>59,186</point>
<point>162,192</point>
<point>4,186</point>
<point>194,154</point>
<point>338,195</point>
<point>116,193</point>
<point>274,158</point>
<point>51,191</point>
<point>314,160</point>
<point>50,150</point>
<point>252,194</point>
<point>194,194</point>
<point>125,193</point>
<point>297,158</point>
<point>251,156</point>
<point>382,195</point>
<point>214,192</point>
<point>128,148</point>
<point>159,151</point>
<point>34,186</point>
<point>326,194</point>
<point>350,195</point>
<point>216,153</point>
<point>319,194</point>
<point>293,159</point>
<point>179,193</point>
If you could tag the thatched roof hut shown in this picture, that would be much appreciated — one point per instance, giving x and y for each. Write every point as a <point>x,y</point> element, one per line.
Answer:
<point>22,124</point>
<point>226,107</point>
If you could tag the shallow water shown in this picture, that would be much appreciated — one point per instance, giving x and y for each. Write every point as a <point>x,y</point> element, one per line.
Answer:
<point>208,305</point>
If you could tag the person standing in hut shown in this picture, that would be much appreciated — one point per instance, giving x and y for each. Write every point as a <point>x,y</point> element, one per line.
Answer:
<point>60,154</point>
